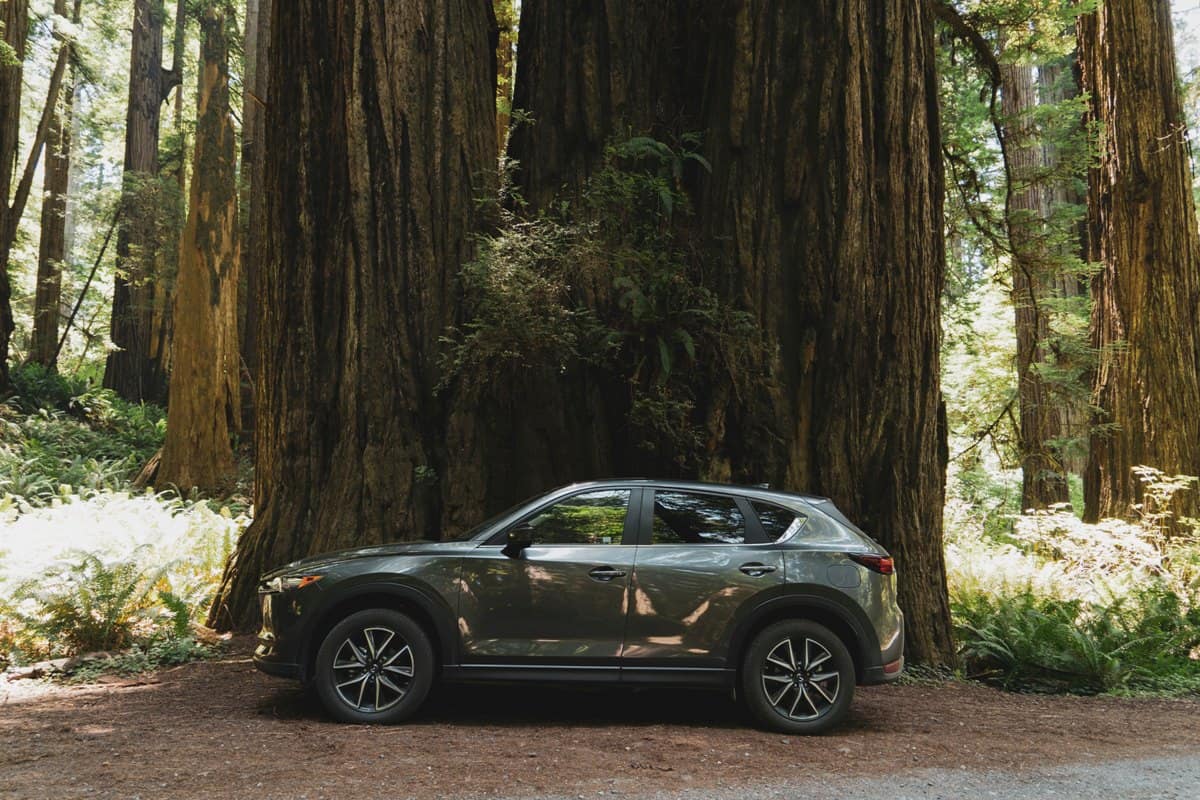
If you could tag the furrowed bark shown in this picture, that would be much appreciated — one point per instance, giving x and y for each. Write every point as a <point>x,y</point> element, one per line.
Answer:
<point>1142,232</point>
<point>380,136</point>
<point>205,379</point>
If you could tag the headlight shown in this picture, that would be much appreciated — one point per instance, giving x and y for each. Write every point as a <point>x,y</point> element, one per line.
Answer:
<point>288,582</point>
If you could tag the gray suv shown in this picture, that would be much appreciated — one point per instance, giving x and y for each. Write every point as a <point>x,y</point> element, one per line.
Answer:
<point>777,596</point>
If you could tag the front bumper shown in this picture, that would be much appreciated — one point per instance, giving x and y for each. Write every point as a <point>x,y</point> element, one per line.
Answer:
<point>278,653</point>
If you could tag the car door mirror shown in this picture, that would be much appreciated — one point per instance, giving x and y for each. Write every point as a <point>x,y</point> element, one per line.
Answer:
<point>519,537</point>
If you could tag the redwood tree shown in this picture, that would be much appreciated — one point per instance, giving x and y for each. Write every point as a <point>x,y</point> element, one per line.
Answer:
<point>14,15</point>
<point>137,368</point>
<point>380,137</point>
<point>205,384</point>
<point>1142,232</point>
<point>826,200</point>
<point>52,249</point>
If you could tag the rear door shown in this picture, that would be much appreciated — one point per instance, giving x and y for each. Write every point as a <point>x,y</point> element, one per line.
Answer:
<point>562,601</point>
<point>701,555</point>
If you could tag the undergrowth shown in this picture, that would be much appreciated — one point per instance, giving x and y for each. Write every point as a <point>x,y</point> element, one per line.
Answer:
<point>1053,604</point>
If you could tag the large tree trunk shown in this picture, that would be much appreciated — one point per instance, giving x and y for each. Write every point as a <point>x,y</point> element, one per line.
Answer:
<point>14,14</point>
<point>826,197</point>
<point>380,137</point>
<point>1143,233</point>
<point>1044,480</point>
<point>137,370</point>
<point>254,98</point>
<point>588,72</point>
<point>205,383</point>
<point>52,250</point>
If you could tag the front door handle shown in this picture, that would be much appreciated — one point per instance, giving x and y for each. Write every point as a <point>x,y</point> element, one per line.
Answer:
<point>606,574</point>
<point>756,570</point>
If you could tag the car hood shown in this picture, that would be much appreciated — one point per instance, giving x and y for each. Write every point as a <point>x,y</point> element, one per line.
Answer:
<point>325,560</point>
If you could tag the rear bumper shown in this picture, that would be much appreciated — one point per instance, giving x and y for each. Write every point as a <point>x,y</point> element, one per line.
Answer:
<point>891,661</point>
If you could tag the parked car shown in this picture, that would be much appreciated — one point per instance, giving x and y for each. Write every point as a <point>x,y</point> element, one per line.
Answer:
<point>775,595</point>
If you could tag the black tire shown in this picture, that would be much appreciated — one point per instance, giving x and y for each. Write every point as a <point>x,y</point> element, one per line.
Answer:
<point>811,697</point>
<point>368,654</point>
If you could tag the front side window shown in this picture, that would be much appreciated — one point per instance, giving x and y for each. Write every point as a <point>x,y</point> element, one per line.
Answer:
<point>692,518</point>
<point>589,518</point>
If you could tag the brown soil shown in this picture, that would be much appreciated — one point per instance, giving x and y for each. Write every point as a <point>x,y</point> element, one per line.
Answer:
<point>220,729</point>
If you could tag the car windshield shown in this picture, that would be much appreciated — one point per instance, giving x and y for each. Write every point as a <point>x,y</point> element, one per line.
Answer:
<point>468,535</point>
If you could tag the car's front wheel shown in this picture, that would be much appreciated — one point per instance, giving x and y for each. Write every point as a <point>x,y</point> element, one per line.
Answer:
<point>375,666</point>
<point>798,677</point>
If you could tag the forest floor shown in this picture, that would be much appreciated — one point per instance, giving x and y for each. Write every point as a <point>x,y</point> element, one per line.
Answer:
<point>220,729</point>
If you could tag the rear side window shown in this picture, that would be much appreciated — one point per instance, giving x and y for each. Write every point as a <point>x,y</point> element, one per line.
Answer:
<point>692,518</point>
<point>776,522</point>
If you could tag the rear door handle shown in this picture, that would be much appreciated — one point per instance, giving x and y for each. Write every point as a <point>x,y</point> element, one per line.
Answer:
<point>606,574</point>
<point>756,570</point>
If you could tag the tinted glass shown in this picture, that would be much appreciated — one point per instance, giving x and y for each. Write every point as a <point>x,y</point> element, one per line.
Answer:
<point>776,522</point>
<point>688,518</point>
<point>589,518</point>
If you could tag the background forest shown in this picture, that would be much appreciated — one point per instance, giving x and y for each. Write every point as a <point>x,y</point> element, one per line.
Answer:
<point>277,278</point>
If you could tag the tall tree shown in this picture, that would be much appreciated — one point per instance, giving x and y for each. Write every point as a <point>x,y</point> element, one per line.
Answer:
<point>826,199</point>
<point>1142,232</point>
<point>14,15</point>
<point>52,249</point>
<point>256,88</point>
<point>205,383</point>
<point>821,218</point>
<point>380,137</point>
<point>1044,480</point>
<point>137,368</point>
<point>16,28</point>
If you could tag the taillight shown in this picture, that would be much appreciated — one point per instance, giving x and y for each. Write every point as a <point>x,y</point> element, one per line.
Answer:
<point>884,565</point>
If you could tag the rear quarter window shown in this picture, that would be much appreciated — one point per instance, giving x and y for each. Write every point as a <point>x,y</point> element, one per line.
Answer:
<point>777,522</point>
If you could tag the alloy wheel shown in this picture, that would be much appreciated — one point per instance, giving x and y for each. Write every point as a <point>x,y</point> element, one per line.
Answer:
<point>373,669</point>
<point>800,679</point>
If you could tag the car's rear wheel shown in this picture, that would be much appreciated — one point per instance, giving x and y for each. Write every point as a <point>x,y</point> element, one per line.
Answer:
<point>375,666</point>
<point>798,677</point>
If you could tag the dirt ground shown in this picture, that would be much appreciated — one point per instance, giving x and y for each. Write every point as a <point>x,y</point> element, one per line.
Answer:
<point>222,730</point>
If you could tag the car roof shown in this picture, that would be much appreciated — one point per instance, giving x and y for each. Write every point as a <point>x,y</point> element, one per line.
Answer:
<point>760,489</point>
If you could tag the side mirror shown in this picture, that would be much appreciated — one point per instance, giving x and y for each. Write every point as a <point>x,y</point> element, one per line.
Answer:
<point>519,537</point>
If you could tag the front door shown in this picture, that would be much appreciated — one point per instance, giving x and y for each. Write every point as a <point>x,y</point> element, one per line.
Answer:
<point>561,601</point>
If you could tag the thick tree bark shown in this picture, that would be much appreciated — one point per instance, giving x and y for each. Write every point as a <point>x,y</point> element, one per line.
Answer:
<point>254,99</point>
<point>14,14</point>
<point>137,370</point>
<point>1044,480</point>
<point>205,384</point>
<point>1143,233</point>
<point>826,198</point>
<point>380,137</point>
<point>52,250</point>
<point>588,72</point>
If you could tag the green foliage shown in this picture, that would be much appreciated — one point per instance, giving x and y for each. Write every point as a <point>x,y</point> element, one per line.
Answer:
<point>154,654</point>
<point>59,438</point>
<point>1046,602</point>
<point>1140,642</point>
<point>89,605</point>
<point>603,281</point>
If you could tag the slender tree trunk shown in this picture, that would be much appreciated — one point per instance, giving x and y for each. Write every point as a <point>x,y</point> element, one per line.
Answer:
<point>1143,233</point>
<point>52,250</point>
<point>14,14</point>
<point>11,215</point>
<point>1058,82</point>
<point>256,91</point>
<point>506,56</point>
<point>380,137</point>
<point>137,369</point>
<point>1044,478</point>
<point>205,384</point>
<point>826,198</point>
